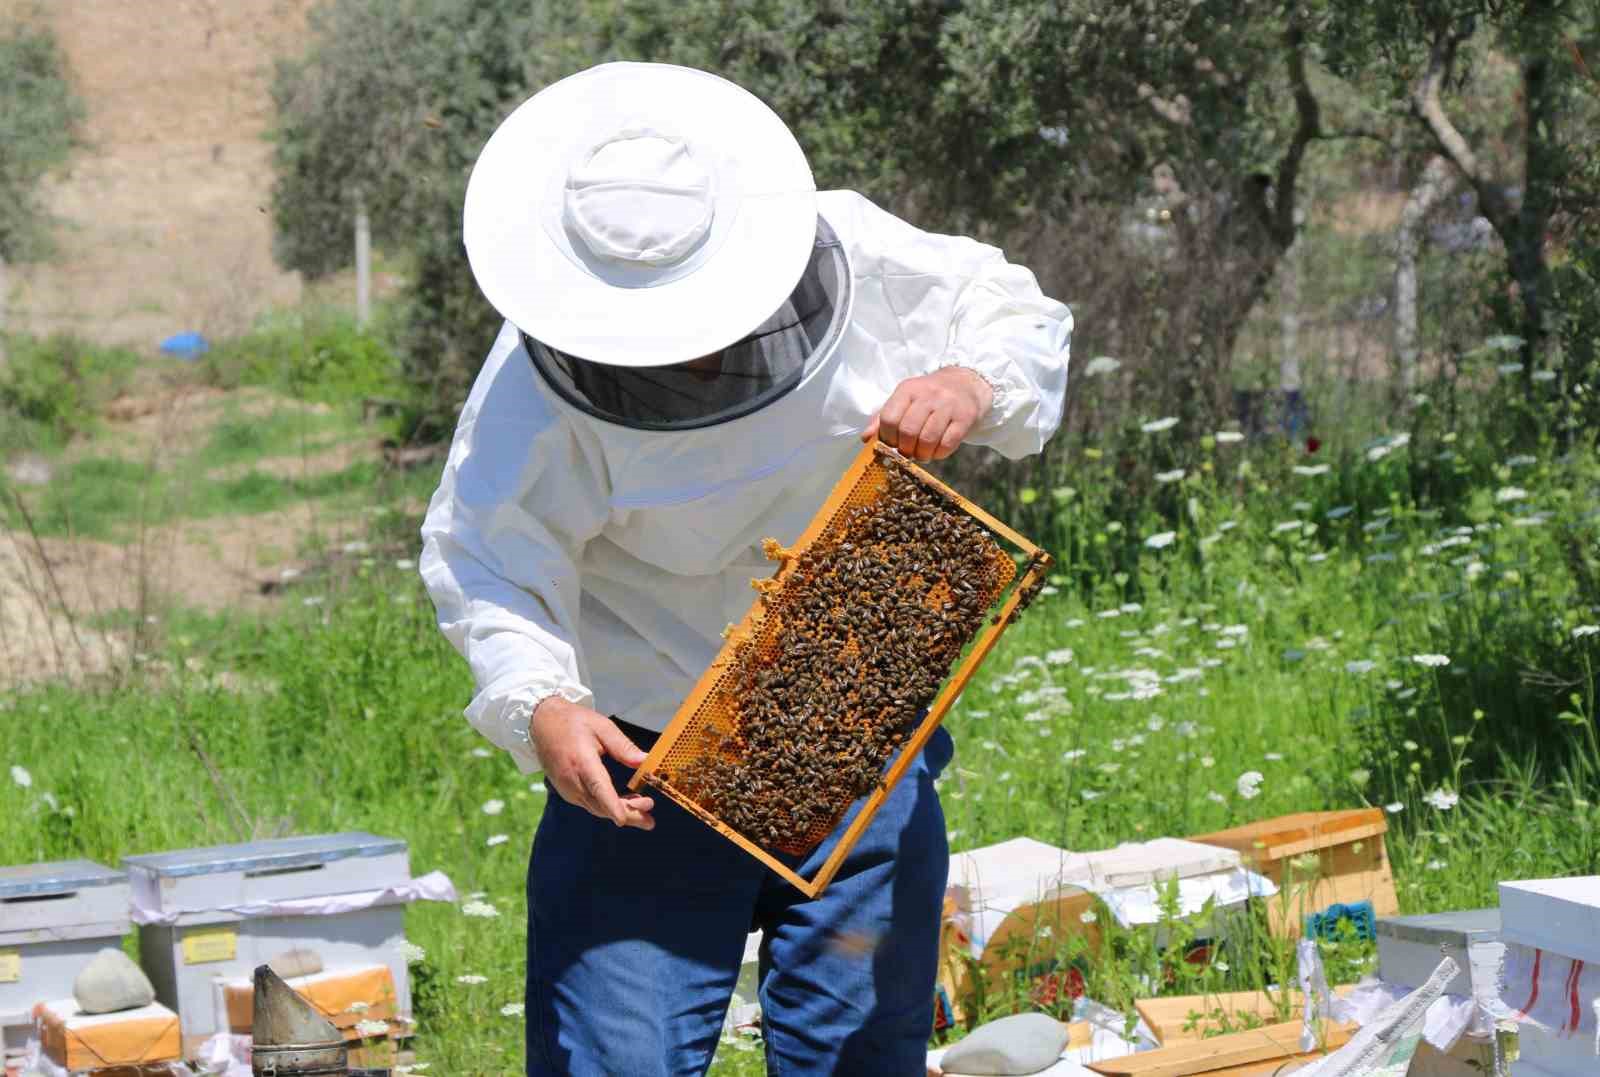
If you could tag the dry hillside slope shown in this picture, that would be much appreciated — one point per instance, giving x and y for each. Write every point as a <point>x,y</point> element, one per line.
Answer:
<point>163,225</point>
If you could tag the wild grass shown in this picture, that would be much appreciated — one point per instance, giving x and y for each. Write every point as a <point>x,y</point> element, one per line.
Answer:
<point>1409,623</point>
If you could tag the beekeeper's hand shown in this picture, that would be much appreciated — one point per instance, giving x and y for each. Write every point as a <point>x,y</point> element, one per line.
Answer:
<point>927,417</point>
<point>570,740</point>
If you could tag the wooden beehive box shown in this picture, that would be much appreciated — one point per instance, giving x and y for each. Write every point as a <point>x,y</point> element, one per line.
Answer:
<point>1352,862</point>
<point>216,913</point>
<point>54,918</point>
<point>865,617</point>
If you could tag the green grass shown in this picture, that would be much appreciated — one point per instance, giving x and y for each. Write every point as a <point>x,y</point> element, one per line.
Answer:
<point>1277,631</point>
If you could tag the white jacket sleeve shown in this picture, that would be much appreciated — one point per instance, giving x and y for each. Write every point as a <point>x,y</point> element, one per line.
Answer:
<point>500,548</point>
<point>958,302</point>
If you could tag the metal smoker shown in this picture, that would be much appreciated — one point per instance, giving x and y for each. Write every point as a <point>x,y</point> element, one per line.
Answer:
<point>292,1039</point>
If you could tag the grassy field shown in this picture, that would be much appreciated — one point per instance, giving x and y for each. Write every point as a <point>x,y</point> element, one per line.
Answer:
<point>1408,623</point>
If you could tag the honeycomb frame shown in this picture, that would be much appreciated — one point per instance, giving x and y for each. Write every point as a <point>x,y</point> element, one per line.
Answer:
<point>708,712</point>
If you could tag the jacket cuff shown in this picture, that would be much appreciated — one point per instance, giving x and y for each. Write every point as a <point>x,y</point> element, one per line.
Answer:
<point>503,716</point>
<point>1005,381</point>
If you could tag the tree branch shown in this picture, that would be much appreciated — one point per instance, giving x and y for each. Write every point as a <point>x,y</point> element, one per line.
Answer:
<point>1493,200</point>
<point>1309,127</point>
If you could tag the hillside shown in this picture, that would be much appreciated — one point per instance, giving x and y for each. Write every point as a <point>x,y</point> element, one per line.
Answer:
<point>163,224</point>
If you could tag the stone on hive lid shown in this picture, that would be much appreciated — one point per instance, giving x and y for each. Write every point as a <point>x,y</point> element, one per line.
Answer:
<point>111,983</point>
<point>1020,1044</point>
<point>297,961</point>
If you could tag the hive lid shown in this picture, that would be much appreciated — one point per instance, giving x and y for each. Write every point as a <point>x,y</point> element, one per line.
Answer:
<point>1558,915</point>
<point>274,853</point>
<point>1457,929</point>
<point>56,877</point>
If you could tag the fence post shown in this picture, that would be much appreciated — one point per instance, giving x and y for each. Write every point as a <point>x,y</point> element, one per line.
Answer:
<point>363,264</point>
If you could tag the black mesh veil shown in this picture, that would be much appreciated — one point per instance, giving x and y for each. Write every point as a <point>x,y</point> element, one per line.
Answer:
<point>741,378</point>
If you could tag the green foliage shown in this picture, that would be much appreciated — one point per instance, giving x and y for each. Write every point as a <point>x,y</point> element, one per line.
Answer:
<point>53,388</point>
<point>319,355</point>
<point>1277,632</point>
<point>38,126</point>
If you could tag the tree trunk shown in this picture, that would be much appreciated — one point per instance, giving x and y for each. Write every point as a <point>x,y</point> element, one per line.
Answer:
<point>1430,189</point>
<point>1541,176</point>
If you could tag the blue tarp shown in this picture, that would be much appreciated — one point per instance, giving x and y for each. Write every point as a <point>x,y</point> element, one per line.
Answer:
<point>185,345</point>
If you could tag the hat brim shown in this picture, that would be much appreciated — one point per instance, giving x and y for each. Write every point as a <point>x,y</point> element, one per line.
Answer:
<point>542,289</point>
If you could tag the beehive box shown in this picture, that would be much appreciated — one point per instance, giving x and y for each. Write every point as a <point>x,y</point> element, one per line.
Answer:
<point>837,667</point>
<point>218,914</point>
<point>1410,948</point>
<point>1352,862</point>
<point>54,917</point>
<point>1556,922</point>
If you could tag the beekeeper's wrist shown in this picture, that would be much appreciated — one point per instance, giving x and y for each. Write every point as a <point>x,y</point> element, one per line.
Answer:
<point>990,390</point>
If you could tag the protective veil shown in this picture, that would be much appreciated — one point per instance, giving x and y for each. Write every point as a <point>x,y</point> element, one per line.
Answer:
<point>584,546</point>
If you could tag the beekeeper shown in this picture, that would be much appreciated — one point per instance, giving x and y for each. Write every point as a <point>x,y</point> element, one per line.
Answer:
<point>696,343</point>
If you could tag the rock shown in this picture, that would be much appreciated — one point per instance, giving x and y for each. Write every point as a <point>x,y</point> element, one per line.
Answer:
<point>111,983</point>
<point>30,469</point>
<point>296,962</point>
<point>1020,1044</point>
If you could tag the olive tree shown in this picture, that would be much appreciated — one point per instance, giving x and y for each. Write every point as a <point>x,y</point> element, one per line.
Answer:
<point>39,119</point>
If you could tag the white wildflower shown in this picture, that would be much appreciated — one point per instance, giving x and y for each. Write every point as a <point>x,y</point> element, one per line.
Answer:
<point>1361,665</point>
<point>481,753</point>
<point>1509,493</point>
<point>1522,460</point>
<point>493,807</point>
<point>405,564</point>
<point>472,979</point>
<point>1507,369</point>
<point>1443,799</point>
<point>1089,794</point>
<point>1088,916</point>
<point>1249,784</point>
<point>311,600</point>
<point>1311,469</point>
<point>1228,437</point>
<point>1175,475</point>
<point>1161,540</point>
<point>480,909</point>
<point>511,1009</point>
<point>1073,754</point>
<point>1273,757</point>
<point>1207,762</point>
<point>1101,364</point>
<point>1436,865</point>
<point>1395,808</point>
<point>21,776</point>
<point>1432,661</point>
<point>1156,426</point>
<point>537,787</point>
<point>1544,375</point>
<point>411,952</point>
<point>1216,797</point>
<point>497,839</point>
<point>1585,630</point>
<point>1061,657</point>
<point>372,1028</point>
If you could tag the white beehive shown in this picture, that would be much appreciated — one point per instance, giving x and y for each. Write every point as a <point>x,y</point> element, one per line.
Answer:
<point>1411,947</point>
<point>220,912</point>
<point>53,918</point>
<point>1560,919</point>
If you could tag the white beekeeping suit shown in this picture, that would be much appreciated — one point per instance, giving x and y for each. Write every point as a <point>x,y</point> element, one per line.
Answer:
<point>572,550</point>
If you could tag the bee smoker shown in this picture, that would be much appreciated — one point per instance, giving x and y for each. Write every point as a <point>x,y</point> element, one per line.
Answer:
<point>291,1039</point>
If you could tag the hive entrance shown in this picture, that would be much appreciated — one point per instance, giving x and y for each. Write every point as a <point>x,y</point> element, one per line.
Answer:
<point>838,665</point>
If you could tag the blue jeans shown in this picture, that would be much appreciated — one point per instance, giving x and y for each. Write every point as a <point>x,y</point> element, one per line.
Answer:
<point>635,939</point>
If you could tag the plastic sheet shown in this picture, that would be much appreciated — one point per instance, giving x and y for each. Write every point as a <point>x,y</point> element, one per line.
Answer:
<point>434,886</point>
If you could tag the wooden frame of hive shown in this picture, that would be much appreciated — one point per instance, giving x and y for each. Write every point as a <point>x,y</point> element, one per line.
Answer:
<point>688,719</point>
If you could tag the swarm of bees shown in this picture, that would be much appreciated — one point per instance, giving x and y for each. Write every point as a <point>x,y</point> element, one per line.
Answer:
<point>869,623</point>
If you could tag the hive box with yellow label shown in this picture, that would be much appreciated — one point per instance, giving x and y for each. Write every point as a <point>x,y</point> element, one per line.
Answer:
<point>53,919</point>
<point>214,914</point>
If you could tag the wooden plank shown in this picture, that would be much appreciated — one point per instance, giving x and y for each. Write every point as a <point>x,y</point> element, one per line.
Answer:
<point>1168,1016</point>
<point>1278,1042</point>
